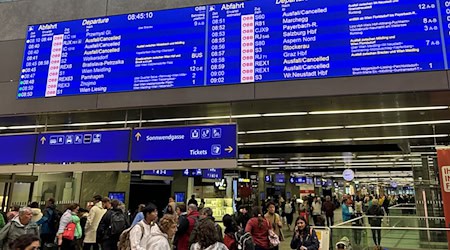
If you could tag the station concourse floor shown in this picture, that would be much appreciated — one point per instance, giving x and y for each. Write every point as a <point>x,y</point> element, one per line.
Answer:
<point>391,239</point>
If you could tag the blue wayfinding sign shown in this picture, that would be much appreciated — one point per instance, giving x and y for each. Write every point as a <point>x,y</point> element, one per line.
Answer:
<point>17,149</point>
<point>184,143</point>
<point>212,173</point>
<point>83,146</point>
<point>158,172</point>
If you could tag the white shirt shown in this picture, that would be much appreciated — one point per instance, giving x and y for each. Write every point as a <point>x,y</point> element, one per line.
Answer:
<point>139,239</point>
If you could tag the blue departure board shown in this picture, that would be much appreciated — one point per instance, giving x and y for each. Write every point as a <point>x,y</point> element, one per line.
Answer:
<point>17,149</point>
<point>232,43</point>
<point>139,51</point>
<point>184,143</point>
<point>83,146</point>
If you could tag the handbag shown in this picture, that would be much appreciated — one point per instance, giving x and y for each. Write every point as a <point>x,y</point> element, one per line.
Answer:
<point>274,240</point>
<point>69,231</point>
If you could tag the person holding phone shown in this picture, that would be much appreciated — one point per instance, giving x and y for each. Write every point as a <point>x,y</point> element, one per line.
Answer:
<point>305,237</point>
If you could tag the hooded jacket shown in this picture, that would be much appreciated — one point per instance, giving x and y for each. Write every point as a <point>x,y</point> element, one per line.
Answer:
<point>158,239</point>
<point>37,214</point>
<point>217,246</point>
<point>14,229</point>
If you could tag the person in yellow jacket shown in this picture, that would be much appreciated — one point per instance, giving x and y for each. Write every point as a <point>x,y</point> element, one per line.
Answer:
<point>93,220</point>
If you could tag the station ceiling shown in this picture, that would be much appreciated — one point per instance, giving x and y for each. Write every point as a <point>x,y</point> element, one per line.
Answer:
<point>388,133</point>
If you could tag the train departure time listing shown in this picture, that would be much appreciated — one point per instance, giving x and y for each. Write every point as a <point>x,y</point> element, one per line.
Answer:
<point>230,43</point>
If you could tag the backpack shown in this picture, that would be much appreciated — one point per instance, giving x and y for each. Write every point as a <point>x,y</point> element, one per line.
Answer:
<point>118,223</point>
<point>244,240</point>
<point>124,239</point>
<point>55,218</point>
<point>288,208</point>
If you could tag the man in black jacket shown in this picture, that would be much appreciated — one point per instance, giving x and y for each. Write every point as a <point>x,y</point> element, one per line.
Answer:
<point>113,223</point>
<point>183,224</point>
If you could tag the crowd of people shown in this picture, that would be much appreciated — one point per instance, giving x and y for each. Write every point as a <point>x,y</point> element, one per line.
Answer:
<point>106,225</point>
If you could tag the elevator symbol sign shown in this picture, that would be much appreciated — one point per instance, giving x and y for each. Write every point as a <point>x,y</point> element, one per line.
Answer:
<point>446,178</point>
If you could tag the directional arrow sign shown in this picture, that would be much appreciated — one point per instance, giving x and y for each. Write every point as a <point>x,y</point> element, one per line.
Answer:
<point>138,136</point>
<point>84,146</point>
<point>185,143</point>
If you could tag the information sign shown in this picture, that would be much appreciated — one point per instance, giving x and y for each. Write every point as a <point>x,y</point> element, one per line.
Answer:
<point>83,146</point>
<point>184,143</point>
<point>158,172</point>
<point>212,173</point>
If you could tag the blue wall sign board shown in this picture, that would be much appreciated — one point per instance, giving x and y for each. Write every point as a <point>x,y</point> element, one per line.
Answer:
<point>158,172</point>
<point>232,43</point>
<point>280,178</point>
<point>83,146</point>
<point>17,149</point>
<point>212,173</point>
<point>297,180</point>
<point>184,143</point>
<point>193,172</point>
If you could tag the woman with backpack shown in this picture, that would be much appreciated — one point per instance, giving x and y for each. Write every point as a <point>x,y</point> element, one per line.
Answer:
<point>259,228</point>
<point>305,237</point>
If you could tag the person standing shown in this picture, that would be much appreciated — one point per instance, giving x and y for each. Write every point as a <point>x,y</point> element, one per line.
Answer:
<point>289,211</point>
<point>193,201</point>
<point>18,226</point>
<point>376,213</point>
<point>162,233</point>
<point>13,213</point>
<point>93,220</point>
<point>231,228</point>
<point>49,223</point>
<point>183,224</point>
<point>192,218</point>
<point>141,233</point>
<point>305,238</point>
<point>206,214</point>
<point>316,210</point>
<point>207,238</point>
<point>112,224</point>
<point>37,213</point>
<point>259,227</point>
<point>346,211</point>
<point>328,207</point>
<point>242,216</point>
<point>275,221</point>
<point>66,219</point>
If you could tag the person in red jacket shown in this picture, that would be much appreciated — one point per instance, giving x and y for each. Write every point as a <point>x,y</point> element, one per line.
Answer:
<point>259,227</point>
<point>192,217</point>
